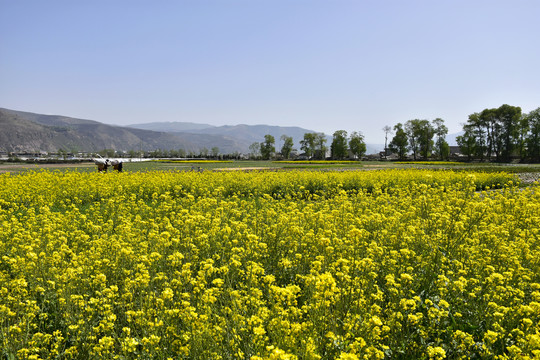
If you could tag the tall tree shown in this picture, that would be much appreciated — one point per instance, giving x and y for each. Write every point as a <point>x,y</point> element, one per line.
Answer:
<point>467,142</point>
<point>320,146</point>
<point>533,138</point>
<point>399,143</point>
<point>339,147</point>
<point>307,144</point>
<point>497,132</point>
<point>420,136</point>
<point>357,144</point>
<point>267,147</point>
<point>521,141</point>
<point>476,130</point>
<point>313,144</point>
<point>255,150</point>
<point>487,130</point>
<point>412,131</point>
<point>387,130</point>
<point>509,117</point>
<point>441,146</point>
<point>203,152</point>
<point>426,138</point>
<point>287,146</point>
<point>494,130</point>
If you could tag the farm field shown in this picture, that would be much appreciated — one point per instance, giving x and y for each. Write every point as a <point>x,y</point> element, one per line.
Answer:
<point>392,264</point>
<point>171,165</point>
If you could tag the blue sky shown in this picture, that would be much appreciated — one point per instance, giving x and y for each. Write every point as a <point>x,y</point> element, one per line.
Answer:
<point>322,65</point>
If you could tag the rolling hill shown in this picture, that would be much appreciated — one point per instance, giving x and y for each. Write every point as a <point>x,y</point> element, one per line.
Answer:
<point>29,132</point>
<point>33,133</point>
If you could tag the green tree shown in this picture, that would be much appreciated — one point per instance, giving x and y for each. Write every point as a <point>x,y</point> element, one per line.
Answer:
<point>107,153</point>
<point>267,147</point>
<point>387,130</point>
<point>426,138</point>
<point>62,153</point>
<point>509,118</point>
<point>214,152</point>
<point>497,132</point>
<point>357,144</point>
<point>307,144</point>
<point>523,131</point>
<point>488,132</point>
<point>399,143</point>
<point>441,146</point>
<point>254,150</point>
<point>314,145</point>
<point>420,136</point>
<point>533,137</point>
<point>287,146</point>
<point>203,152</point>
<point>339,146</point>
<point>467,142</point>
<point>320,146</point>
<point>476,130</point>
<point>412,131</point>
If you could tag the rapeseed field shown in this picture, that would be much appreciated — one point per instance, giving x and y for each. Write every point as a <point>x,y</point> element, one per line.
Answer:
<point>397,264</point>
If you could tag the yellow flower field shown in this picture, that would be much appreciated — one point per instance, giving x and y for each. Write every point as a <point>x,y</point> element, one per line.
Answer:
<point>430,162</point>
<point>410,264</point>
<point>317,162</point>
<point>194,161</point>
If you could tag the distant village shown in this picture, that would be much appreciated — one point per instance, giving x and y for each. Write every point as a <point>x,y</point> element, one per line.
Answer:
<point>129,156</point>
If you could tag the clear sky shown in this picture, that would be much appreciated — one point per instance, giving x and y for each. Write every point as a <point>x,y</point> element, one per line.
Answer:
<point>323,65</point>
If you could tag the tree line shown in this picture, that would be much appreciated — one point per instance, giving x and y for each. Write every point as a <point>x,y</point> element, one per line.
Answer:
<point>499,134</point>
<point>417,136</point>
<point>502,134</point>
<point>313,145</point>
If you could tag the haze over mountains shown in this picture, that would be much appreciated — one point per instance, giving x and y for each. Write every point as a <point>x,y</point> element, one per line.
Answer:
<point>30,132</point>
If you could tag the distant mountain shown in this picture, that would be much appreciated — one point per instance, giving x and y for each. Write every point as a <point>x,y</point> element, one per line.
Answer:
<point>243,135</point>
<point>30,132</point>
<point>172,126</point>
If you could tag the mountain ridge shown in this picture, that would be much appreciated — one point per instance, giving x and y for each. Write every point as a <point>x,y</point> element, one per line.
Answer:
<point>253,133</point>
<point>32,132</point>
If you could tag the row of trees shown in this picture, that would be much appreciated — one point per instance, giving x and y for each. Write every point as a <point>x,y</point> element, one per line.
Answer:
<point>498,134</point>
<point>341,148</point>
<point>501,134</point>
<point>314,146</point>
<point>416,136</point>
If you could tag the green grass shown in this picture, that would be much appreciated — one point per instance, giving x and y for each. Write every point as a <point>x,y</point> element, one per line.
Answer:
<point>15,168</point>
